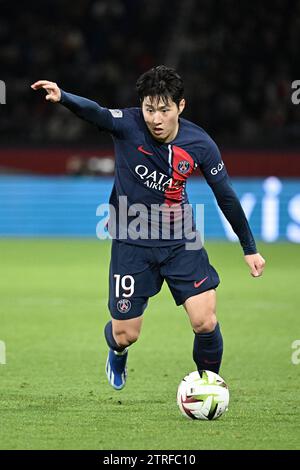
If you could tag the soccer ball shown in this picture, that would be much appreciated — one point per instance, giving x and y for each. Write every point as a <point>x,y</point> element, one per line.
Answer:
<point>203,397</point>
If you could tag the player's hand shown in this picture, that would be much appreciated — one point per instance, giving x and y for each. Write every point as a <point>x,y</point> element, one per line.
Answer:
<point>256,264</point>
<point>53,92</point>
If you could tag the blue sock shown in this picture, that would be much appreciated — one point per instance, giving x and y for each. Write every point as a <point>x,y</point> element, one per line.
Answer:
<point>208,350</point>
<point>110,339</point>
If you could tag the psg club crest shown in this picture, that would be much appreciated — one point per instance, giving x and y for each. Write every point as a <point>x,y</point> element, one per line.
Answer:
<point>124,305</point>
<point>183,166</point>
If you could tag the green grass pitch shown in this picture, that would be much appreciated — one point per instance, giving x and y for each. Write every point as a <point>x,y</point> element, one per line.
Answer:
<point>53,388</point>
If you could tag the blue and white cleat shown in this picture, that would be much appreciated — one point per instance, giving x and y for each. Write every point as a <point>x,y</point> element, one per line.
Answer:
<point>116,369</point>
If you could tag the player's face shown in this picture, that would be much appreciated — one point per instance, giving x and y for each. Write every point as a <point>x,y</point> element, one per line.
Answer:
<point>162,118</point>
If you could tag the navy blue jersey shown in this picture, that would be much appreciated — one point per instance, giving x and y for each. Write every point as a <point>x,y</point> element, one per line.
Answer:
<point>152,173</point>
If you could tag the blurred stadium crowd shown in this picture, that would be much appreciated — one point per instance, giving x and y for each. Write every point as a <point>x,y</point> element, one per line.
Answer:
<point>238,60</point>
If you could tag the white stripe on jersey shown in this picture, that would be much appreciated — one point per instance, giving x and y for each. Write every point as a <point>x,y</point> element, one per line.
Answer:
<point>170,158</point>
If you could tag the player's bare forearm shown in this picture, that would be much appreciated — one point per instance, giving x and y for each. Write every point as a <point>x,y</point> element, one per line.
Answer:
<point>53,91</point>
<point>256,264</point>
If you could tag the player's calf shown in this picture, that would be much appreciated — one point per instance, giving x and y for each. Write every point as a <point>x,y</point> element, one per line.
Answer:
<point>208,350</point>
<point>126,338</point>
<point>120,334</point>
<point>208,341</point>
<point>110,339</point>
<point>126,332</point>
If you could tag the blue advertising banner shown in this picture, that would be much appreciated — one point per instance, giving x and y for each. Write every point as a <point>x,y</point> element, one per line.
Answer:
<point>61,207</point>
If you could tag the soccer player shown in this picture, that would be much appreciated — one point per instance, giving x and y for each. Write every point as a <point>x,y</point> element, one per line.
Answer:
<point>156,151</point>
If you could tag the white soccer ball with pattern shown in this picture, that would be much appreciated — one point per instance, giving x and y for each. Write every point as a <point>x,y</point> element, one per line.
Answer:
<point>205,397</point>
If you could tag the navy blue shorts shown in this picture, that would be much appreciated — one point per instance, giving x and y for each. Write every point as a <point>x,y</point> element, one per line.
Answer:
<point>138,272</point>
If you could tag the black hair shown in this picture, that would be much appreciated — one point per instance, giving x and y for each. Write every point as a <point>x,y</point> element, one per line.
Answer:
<point>161,82</point>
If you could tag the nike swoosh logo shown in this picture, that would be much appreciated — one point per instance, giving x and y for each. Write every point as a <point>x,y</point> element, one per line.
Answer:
<point>140,148</point>
<point>198,284</point>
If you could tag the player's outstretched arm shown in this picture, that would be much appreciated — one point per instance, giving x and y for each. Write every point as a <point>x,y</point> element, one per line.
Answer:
<point>53,91</point>
<point>84,108</point>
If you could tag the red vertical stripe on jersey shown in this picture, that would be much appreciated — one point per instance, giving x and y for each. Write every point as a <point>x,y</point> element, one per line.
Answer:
<point>182,167</point>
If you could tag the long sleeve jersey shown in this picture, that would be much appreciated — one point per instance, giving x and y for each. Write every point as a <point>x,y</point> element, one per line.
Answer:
<point>150,177</point>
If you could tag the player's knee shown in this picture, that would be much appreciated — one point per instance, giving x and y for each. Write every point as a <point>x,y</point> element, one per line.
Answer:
<point>206,324</point>
<point>126,338</point>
